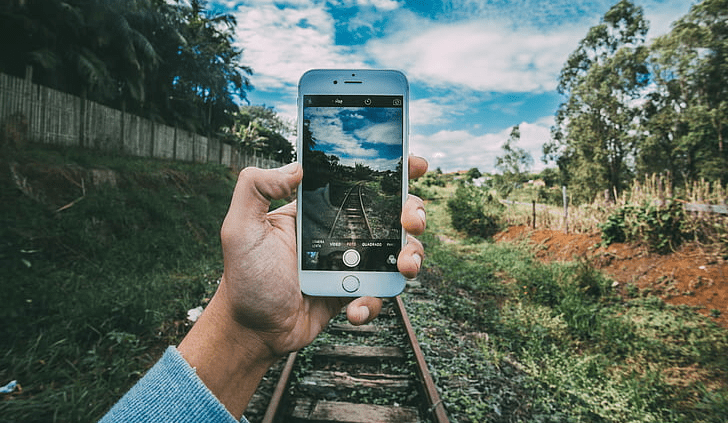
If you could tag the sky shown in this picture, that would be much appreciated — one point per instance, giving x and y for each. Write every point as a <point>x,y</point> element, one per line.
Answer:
<point>370,135</point>
<point>476,68</point>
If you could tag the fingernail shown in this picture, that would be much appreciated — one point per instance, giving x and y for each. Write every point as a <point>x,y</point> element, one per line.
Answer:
<point>422,214</point>
<point>418,259</point>
<point>363,313</point>
<point>290,168</point>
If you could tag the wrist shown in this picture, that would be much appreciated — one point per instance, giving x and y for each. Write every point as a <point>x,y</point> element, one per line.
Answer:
<point>228,357</point>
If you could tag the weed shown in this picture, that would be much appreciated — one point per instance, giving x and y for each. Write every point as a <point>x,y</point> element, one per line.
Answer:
<point>109,279</point>
<point>660,227</point>
<point>560,345</point>
<point>474,212</point>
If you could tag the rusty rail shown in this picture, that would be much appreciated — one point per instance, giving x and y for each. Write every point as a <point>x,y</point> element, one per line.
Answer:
<point>436,407</point>
<point>433,406</point>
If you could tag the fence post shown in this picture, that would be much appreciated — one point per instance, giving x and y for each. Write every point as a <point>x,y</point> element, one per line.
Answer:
<point>26,109</point>
<point>82,110</point>
<point>174,144</point>
<point>566,209</point>
<point>533,206</point>
<point>151,137</point>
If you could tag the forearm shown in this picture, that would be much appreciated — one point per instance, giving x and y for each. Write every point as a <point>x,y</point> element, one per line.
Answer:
<point>169,392</point>
<point>229,359</point>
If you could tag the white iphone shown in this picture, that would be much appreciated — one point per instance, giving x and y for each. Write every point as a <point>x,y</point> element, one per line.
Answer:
<point>352,145</point>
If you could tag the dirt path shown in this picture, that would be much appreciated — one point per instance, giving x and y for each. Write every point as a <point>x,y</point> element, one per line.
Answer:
<point>688,276</point>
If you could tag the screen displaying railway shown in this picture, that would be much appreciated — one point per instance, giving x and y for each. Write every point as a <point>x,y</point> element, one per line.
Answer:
<point>352,182</point>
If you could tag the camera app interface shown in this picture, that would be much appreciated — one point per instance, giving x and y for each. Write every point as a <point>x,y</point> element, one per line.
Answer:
<point>352,183</point>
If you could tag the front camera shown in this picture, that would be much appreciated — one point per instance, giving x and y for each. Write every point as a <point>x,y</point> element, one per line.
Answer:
<point>336,82</point>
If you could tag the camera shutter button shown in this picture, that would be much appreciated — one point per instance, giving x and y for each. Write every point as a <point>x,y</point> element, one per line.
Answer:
<point>351,258</point>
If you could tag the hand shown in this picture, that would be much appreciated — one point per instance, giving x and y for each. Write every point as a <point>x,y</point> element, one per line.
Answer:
<point>259,313</point>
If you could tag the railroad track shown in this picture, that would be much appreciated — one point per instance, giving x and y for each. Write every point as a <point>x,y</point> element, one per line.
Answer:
<point>351,220</point>
<point>371,373</point>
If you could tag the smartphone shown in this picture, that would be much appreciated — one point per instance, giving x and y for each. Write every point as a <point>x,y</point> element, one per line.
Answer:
<point>353,147</point>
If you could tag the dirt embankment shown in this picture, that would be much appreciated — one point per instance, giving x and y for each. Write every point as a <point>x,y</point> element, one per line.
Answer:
<point>687,276</point>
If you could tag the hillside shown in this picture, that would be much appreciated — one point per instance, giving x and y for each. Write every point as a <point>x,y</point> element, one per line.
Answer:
<point>688,276</point>
<point>102,256</point>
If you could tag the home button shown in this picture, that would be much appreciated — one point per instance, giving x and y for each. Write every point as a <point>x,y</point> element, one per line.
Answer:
<point>350,283</point>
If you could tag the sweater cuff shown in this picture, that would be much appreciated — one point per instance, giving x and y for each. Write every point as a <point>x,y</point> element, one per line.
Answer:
<point>170,391</point>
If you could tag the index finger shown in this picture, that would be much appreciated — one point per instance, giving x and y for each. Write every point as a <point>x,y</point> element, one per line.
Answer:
<point>417,167</point>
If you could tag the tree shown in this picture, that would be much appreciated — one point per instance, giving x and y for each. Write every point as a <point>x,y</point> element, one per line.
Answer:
<point>684,116</point>
<point>169,61</point>
<point>474,173</point>
<point>591,141</point>
<point>87,48</point>
<point>259,129</point>
<point>207,76</point>
<point>514,163</point>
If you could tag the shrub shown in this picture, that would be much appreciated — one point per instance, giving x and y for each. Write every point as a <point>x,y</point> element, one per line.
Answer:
<point>390,183</point>
<point>474,212</point>
<point>659,227</point>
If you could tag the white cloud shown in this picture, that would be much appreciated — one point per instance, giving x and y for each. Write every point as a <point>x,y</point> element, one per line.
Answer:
<point>472,49</point>
<point>382,133</point>
<point>663,14</point>
<point>462,150</point>
<point>498,46</point>
<point>381,5</point>
<point>280,44</point>
<point>430,111</point>
<point>479,55</point>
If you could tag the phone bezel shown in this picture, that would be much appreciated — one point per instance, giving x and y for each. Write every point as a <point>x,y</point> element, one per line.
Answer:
<point>352,82</point>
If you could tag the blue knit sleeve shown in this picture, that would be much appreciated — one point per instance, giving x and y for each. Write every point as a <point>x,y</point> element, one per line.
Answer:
<point>171,391</point>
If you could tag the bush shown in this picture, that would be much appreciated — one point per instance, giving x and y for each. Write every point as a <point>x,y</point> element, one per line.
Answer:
<point>474,212</point>
<point>659,227</point>
<point>550,196</point>
<point>390,183</point>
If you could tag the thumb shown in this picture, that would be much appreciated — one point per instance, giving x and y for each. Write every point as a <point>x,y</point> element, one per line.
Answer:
<point>256,188</point>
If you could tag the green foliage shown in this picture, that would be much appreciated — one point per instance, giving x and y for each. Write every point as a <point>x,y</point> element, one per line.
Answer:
<point>601,141</point>
<point>591,141</point>
<point>513,164</point>
<point>260,130</point>
<point>474,211</point>
<point>168,61</point>
<point>391,183</point>
<point>561,345</point>
<point>473,173</point>
<point>613,230</point>
<point>660,227</point>
<point>423,187</point>
<point>685,115</point>
<point>549,196</point>
<point>515,160</point>
<point>94,292</point>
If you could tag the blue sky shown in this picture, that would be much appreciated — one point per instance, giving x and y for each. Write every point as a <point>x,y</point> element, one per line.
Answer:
<point>476,68</point>
<point>350,126</point>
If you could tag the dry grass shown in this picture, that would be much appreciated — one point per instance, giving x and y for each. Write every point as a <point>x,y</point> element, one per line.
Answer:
<point>708,230</point>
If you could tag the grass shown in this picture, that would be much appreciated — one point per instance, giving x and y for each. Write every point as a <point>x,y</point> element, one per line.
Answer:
<point>97,278</point>
<point>550,342</point>
<point>652,195</point>
<point>95,291</point>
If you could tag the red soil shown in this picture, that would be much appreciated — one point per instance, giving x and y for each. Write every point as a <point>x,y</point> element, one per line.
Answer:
<point>687,276</point>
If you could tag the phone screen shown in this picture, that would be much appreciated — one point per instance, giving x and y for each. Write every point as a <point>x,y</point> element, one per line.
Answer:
<point>352,185</point>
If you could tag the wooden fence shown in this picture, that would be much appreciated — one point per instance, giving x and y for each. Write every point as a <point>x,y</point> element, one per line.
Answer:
<point>30,112</point>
